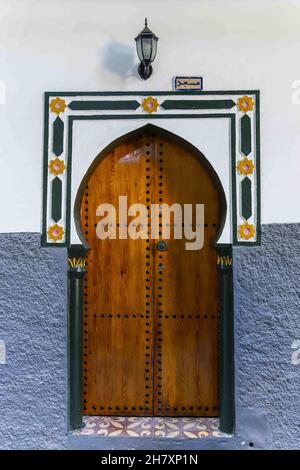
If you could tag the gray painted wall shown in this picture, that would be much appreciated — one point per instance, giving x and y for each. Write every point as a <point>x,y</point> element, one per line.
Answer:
<point>267,319</point>
<point>33,382</point>
<point>33,319</point>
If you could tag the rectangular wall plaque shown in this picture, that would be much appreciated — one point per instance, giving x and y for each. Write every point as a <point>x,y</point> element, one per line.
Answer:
<point>188,83</point>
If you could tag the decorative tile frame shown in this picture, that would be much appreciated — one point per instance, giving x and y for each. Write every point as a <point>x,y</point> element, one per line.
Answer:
<point>240,107</point>
<point>151,427</point>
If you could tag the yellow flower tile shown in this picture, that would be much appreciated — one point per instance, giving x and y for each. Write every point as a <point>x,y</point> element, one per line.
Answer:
<point>56,232</point>
<point>245,104</point>
<point>245,166</point>
<point>246,231</point>
<point>57,166</point>
<point>150,104</point>
<point>58,105</point>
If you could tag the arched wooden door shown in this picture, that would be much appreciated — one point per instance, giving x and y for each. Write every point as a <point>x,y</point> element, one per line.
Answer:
<point>151,318</point>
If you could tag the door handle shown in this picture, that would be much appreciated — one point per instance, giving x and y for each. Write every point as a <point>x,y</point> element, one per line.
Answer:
<point>162,246</point>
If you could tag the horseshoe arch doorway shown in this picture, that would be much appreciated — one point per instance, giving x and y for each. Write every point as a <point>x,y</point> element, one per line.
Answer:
<point>151,312</point>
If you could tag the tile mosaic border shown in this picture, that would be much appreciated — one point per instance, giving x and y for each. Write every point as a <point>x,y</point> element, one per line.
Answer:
<point>154,427</point>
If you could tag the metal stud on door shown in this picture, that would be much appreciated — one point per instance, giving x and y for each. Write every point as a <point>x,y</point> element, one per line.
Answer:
<point>162,246</point>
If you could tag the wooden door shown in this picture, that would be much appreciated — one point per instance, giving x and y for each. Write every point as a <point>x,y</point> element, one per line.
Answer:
<point>151,317</point>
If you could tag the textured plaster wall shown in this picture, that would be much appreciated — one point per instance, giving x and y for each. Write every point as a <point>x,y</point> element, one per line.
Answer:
<point>33,382</point>
<point>267,315</point>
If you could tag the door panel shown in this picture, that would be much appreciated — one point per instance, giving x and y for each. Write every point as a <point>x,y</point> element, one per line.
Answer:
<point>118,376</point>
<point>122,381</point>
<point>186,294</point>
<point>151,317</point>
<point>188,378</point>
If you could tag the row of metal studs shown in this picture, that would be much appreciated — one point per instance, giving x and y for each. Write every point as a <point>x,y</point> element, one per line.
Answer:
<point>137,315</point>
<point>148,291</point>
<point>168,408</point>
<point>85,315</point>
<point>159,288</point>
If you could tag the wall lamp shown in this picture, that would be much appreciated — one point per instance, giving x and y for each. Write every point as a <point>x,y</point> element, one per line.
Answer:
<point>146,46</point>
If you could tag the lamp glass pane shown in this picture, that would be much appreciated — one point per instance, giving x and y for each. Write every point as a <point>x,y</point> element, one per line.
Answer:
<point>139,48</point>
<point>146,48</point>
<point>154,47</point>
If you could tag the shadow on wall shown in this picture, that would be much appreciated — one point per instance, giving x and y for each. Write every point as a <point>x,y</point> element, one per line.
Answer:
<point>119,59</point>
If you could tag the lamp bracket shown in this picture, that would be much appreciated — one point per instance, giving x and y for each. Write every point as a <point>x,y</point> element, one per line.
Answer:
<point>145,71</point>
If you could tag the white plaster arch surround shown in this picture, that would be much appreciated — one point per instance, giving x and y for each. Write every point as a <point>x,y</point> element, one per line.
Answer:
<point>91,137</point>
<point>223,125</point>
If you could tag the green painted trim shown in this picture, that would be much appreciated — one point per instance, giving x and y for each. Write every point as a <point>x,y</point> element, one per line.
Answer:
<point>233,180</point>
<point>198,104</point>
<point>246,243</point>
<point>257,172</point>
<point>69,180</point>
<point>75,339</point>
<point>246,193</point>
<point>45,171</point>
<point>56,199</point>
<point>148,93</point>
<point>102,117</point>
<point>77,251</point>
<point>246,145</point>
<point>159,116</point>
<point>227,405</point>
<point>75,349</point>
<point>54,244</point>
<point>103,105</point>
<point>58,137</point>
<point>230,116</point>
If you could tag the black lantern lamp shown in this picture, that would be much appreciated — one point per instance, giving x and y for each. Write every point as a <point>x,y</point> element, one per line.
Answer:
<point>146,45</point>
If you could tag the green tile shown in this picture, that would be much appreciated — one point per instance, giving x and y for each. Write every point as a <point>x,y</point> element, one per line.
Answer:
<point>56,199</point>
<point>58,136</point>
<point>103,105</point>
<point>198,104</point>
<point>246,198</point>
<point>246,135</point>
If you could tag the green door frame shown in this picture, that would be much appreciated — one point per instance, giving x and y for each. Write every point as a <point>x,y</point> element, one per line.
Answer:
<point>76,302</point>
<point>225,105</point>
<point>76,348</point>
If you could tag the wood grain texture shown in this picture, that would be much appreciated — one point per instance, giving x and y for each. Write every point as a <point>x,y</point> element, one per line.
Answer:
<point>186,294</point>
<point>118,369</point>
<point>151,317</point>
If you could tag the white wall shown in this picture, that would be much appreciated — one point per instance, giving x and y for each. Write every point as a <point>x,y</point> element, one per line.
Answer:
<point>85,45</point>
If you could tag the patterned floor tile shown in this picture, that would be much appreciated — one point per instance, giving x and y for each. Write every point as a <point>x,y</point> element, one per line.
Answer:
<point>179,428</point>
